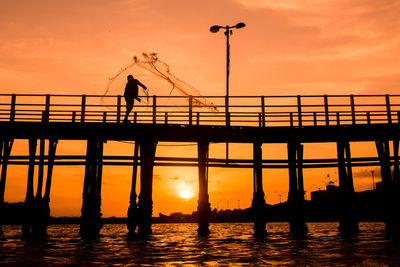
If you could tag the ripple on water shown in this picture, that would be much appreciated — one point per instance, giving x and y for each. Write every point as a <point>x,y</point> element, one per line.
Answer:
<point>228,244</point>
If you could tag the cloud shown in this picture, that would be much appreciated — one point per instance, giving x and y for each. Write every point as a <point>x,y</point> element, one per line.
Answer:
<point>160,177</point>
<point>286,4</point>
<point>382,83</point>
<point>347,46</point>
<point>367,173</point>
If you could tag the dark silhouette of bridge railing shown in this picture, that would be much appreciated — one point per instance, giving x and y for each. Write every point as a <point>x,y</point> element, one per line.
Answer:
<point>263,111</point>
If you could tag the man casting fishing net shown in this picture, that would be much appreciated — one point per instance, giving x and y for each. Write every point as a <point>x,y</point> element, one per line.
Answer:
<point>131,93</point>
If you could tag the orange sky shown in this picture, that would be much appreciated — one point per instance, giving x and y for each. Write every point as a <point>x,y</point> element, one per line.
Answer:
<point>287,47</point>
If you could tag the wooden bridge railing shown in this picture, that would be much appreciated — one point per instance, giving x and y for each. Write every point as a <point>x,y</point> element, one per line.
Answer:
<point>262,111</point>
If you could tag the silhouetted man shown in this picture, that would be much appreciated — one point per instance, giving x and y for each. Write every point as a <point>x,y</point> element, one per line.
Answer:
<point>131,93</point>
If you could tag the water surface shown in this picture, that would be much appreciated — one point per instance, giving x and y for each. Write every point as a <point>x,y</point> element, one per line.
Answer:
<point>228,244</point>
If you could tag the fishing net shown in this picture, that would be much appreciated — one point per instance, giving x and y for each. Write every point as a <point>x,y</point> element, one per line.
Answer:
<point>158,78</point>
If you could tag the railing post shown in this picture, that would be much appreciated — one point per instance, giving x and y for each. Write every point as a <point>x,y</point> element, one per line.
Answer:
<point>337,118</point>
<point>299,110</point>
<point>315,119</point>
<point>353,110</point>
<point>154,109</point>
<point>83,108</point>
<point>368,118</point>
<point>291,119</point>
<point>12,108</point>
<point>135,117</point>
<point>398,116</point>
<point>388,110</point>
<point>44,117</point>
<point>228,119</point>
<point>166,117</point>
<point>119,109</point>
<point>47,109</point>
<point>190,110</point>
<point>198,118</point>
<point>104,117</point>
<point>326,110</point>
<point>73,116</point>
<point>227,114</point>
<point>263,110</point>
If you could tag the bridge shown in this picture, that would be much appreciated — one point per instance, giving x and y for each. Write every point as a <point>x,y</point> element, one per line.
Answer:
<point>292,120</point>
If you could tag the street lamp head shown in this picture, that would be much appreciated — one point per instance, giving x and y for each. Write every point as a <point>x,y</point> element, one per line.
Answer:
<point>215,28</point>
<point>240,25</point>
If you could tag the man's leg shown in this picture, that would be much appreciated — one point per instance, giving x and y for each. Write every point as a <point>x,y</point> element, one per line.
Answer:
<point>129,107</point>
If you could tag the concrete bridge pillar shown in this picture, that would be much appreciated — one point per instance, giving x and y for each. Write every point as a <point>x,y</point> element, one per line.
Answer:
<point>297,222</point>
<point>27,224</point>
<point>348,222</point>
<point>391,186</point>
<point>40,205</point>
<point>258,204</point>
<point>132,217</point>
<point>396,187</point>
<point>36,208</point>
<point>203,207</point>
<point>145,203</point>
<point>5,151</point>
<point>91,198</point>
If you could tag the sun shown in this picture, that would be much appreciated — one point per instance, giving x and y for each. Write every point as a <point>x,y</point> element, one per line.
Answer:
<point>185,194</point>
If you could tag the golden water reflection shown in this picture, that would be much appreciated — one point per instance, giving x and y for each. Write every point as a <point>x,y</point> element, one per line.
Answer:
<point>228,244</point>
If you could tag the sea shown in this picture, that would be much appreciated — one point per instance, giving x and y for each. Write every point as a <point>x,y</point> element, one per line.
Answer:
<point>229,244</point>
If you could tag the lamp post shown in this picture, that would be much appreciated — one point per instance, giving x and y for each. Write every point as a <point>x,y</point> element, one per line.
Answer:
<point>228,31</point>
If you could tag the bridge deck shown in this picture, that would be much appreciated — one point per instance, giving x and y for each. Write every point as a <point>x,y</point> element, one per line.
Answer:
<point>186,133</point>
<point>196,133</point>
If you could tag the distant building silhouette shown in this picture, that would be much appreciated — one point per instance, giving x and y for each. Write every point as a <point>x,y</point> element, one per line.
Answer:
<point>331,193</point>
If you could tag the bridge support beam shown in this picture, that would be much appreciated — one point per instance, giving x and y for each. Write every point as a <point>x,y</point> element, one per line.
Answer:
<point>348,224</point>
<point>5,151</point>
<point>203,205</point>
<point>391,186</point>
<point>29,197</point>
<point>91,205</point>
<point>145,203</point>
<point>132,218</point>
<point>41,207</point>
<point>258,205</point>
<point>297,222</point>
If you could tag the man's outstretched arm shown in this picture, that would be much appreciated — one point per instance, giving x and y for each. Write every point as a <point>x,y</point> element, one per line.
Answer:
<point>142,85</point>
